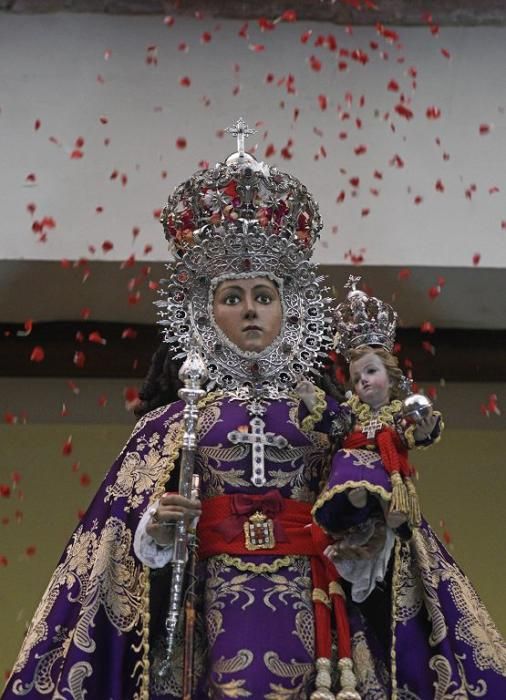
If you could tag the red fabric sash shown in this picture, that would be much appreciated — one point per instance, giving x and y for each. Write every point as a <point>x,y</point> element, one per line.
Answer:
<point>392,452</point>
<point>220,531</point>
<point>220,528</point>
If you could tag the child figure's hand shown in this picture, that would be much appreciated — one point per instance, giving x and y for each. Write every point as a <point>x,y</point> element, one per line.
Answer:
<point>353,544</point>
<point>425,427</point>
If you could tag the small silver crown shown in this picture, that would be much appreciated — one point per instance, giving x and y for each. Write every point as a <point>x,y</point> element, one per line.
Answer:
<point>363,320</point>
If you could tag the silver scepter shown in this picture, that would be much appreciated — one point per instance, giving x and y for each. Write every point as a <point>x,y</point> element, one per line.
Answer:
<point>193,373</point>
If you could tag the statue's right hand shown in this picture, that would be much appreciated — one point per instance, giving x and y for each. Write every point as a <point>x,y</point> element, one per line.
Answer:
<point>171,508</point>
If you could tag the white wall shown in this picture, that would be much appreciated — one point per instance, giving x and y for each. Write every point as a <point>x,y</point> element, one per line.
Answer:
<point>48,71</point>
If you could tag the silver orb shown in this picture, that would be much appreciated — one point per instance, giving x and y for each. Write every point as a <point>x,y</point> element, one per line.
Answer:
<point>416,407</point>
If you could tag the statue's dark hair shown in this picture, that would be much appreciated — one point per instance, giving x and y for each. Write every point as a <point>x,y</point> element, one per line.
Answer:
<point>162,382</point>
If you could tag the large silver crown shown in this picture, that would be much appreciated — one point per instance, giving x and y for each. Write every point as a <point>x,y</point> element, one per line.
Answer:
<point>214,202</point>
<point>363,320</point>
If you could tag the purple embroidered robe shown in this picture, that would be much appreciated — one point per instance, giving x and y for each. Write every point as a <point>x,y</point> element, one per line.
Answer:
<point>424,634</point>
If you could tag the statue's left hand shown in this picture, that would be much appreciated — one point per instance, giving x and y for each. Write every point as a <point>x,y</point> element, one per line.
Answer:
<point>348,546</point>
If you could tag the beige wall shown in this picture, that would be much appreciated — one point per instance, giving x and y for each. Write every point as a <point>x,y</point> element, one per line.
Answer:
<point>462,480</point>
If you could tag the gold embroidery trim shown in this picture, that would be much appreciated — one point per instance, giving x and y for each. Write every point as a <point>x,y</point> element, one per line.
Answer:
<point>144,690</point>
<point>172,455</point>
<point>410,437</point>
<point>316,414</point>
<point>253,568</point>
<point>364,412</point>
<point>396,575</point>
<point>336,589</point>
<point>319,596</point>
<point>339,488</point>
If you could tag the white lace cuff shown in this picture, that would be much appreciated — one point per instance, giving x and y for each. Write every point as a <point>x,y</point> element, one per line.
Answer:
<point>364,574</point>
<point>146,548</point>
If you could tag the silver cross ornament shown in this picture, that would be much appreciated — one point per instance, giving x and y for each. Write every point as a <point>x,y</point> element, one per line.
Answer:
<point>240,129</point>
<point>371,427</point>
<point>258,439</point>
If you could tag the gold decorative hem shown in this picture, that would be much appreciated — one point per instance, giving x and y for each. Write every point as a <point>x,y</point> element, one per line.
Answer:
<point>253,568</point>
<point>339,488</point>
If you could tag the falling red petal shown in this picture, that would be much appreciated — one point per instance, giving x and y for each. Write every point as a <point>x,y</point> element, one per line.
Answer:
<point>79,359</point>
<point>476,258</point>
<point>433,113</point>
<point>181,143</point>
<point>185,81</point>
<point>315,63</point>
<point>322,101</point>
<point>67,446</point>
<point>289,16</point>
<point>85,479</point>
<point>107,246</point>
<point>37,354</point>
<point>95,337</point>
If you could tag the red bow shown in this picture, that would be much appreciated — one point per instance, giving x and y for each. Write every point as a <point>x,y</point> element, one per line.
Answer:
<point>243,505</point>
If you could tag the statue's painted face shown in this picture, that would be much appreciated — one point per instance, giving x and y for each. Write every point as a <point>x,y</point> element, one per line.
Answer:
<point>249,312</point>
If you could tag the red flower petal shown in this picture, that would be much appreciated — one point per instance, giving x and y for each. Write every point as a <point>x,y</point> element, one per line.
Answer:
<point>404,274</point>
<point>476,258</point>
<point>107,246</point>
<point>315,64</point>
<point>85,479</point>
<point>485,129</point>
<point>31,550</point>
<point>360,150</point>
<point>393,86</point>
<point>404,111</point>
<point>36,126</point>
<point>433,113</point>
<point>289,16</point>
<point>185,81</point>
<point>37,354</point>
<point>67,446</point>
<point>181,143</point>
<point>79,359</point>
<point>95,337</point>
<point>129,333</point>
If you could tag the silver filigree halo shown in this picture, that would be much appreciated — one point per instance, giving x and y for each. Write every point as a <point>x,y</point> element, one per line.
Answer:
<point>245,246</point>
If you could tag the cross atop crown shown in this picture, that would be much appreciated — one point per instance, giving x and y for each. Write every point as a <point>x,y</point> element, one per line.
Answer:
<point>352,283</point>
<point>240,129</point>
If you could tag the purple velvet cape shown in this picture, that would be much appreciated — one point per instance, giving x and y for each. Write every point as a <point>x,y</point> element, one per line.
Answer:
<point>424,634</point>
